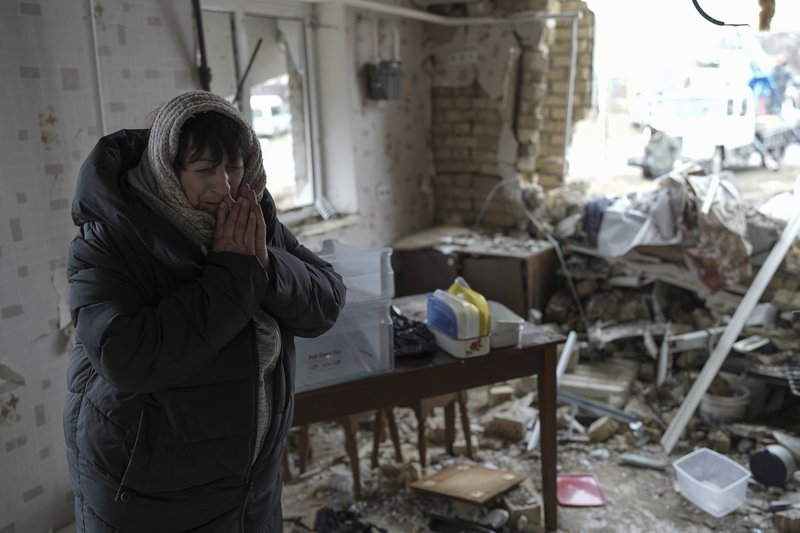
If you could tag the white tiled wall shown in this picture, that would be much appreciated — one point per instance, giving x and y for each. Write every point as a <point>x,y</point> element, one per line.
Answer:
<point>391,137</point>
<point>49,121</point>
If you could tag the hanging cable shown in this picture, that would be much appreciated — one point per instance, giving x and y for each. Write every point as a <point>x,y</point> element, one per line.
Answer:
<point>711,19</point>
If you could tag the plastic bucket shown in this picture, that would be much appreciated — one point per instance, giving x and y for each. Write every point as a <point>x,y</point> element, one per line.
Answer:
<point>715,409</point>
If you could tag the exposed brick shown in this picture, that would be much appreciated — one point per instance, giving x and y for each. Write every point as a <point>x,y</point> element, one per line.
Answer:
<point>461,153</point>
<point>549,181</point>
<point>555,100</point>
<point>561,60</point>
<point>462,142</point>
<point>456,116</point>
<point>484,156</point>
<point>463,204</point>
<point>462,128</point>
<point>487,130</point>
<point>483,103</point>
<point>489,117</point>
<point>442,153</point>
<point>526,121</point>
<point>559,74</point>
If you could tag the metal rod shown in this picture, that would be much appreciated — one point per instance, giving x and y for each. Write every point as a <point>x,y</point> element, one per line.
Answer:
<point>203,71</point>
<point>100,100</point>
<point>573,60</point>
<point>433,18</point>
<point>240,86</point>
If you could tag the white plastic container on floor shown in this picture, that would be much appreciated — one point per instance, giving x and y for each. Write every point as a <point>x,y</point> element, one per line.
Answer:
<point>718,409</point>
<point>711,481</point>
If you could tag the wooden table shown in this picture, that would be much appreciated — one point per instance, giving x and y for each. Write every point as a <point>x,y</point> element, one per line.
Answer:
<point>417,378</point>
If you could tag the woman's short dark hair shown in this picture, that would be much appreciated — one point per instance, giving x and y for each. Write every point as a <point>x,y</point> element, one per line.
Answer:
<point>212,131</point>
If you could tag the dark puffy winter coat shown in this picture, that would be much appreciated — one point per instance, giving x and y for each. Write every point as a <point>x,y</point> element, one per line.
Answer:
<point>160,417</point>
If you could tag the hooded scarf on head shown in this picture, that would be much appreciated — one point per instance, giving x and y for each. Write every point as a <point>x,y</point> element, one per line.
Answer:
<point>156,180</point>
<point>155,176</point>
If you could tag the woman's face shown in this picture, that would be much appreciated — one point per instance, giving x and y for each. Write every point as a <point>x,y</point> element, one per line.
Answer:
<point>206,185</point>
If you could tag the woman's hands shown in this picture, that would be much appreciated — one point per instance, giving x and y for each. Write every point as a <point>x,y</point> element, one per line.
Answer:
<point>241,227</point>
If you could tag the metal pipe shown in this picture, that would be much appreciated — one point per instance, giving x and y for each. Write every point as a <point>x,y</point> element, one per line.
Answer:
<point>100,101</point>
<point>433,18</point>
<point>573,60</point>
<point>203,71</point>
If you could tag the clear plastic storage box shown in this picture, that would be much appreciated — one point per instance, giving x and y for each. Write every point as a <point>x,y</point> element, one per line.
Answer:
<point>366,272</point>
<point>361,342</point>
<point>711,481</point>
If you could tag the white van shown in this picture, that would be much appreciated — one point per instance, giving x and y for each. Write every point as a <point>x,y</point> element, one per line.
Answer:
<point>709,124</point>
<point>271,115</point>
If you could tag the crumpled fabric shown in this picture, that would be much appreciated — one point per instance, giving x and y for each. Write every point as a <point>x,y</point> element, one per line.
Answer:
<point>639,219</point>
<point>716,245</point>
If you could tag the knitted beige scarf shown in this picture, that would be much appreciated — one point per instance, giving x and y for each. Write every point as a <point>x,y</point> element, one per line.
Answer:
<point>155,179</point>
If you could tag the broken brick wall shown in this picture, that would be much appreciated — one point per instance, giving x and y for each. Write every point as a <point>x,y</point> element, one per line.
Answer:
<point>499,108</point>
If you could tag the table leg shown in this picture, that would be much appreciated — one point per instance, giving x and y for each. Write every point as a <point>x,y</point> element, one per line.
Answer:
<point>287,472</point>
<point>377,434</point>
<point>422,445</point>
<point>547,416</point>
<point>462,409</point>
<point>398,453</point>
<point>350,425</point>
<point>449,426</point>
<point>303,448</point>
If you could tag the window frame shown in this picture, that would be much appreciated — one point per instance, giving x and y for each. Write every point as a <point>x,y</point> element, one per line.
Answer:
<point>302,13</point>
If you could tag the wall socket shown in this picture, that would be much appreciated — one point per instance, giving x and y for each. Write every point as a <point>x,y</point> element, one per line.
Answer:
<point>462,57</point>
<point>384,192</point>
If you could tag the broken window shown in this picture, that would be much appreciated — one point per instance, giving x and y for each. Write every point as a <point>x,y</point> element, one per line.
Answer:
<point>259,62</point>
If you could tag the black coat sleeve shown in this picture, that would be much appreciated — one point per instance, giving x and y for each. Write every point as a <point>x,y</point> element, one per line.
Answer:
<point>305,294</point>
<point>143,345</point>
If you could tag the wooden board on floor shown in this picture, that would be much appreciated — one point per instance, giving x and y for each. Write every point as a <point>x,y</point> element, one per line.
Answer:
<point>469,483</point>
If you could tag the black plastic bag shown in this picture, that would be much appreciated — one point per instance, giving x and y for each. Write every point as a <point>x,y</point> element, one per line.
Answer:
<point>332,520</point>
<point>412,338</point>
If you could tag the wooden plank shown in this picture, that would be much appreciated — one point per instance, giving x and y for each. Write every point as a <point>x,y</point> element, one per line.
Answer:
<point>731,333</point>
<point>470,483</point>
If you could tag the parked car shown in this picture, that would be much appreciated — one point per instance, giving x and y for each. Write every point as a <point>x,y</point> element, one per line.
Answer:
<point>271,115</point>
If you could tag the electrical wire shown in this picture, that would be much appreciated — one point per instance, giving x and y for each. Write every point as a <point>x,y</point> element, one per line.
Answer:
<point>557,246</point>
<point>548,236</point>
<point>711,19</point>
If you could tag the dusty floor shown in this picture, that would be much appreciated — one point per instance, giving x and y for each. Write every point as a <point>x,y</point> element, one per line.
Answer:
<point>638,500</point>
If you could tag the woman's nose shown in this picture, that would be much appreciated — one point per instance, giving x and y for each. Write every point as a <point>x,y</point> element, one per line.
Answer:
<point>221,183</point>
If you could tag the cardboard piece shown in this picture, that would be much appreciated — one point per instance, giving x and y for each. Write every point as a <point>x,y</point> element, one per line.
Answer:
<point>469,483</point>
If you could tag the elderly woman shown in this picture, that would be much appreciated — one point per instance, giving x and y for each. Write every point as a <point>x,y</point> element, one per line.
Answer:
<point>186,293</point>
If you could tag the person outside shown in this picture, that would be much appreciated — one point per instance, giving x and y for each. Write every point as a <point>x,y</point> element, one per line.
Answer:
<point>186,293</point>
<point>660,153</point>
<point>784,77</point>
